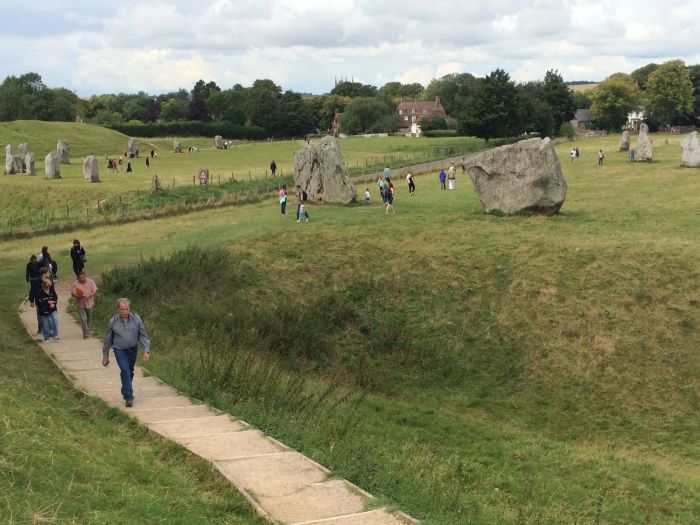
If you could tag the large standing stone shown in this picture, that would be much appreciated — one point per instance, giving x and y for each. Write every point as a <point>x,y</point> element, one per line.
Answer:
<point>219,142</point>
<point>625,141</point>
<point>691,150</point>
<point>51,163</point>
<point>522,177</point>
<point>91,171</point>
<point>29,164</point>
<point>645,148</point>
<point>177,146</point>
<point>320,170</point>
<point>133,147</point>
<point>63,151</point>
<point>9,161</point>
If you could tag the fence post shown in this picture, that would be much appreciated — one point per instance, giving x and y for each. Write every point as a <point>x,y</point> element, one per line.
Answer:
<point>193,183</point>
<point>67,212</point>
<point>98,206</point>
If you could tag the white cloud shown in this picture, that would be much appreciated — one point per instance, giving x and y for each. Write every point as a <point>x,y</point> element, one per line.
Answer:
<point>128,45</point>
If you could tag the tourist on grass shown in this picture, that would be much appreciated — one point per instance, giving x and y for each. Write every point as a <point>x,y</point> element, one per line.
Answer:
<point>442,177</point>
<point>451,176</point>
<point>382,188</point>
<point>389,196</point>
<point>77,255</point>
<point>601,157</point>
<point>128,167</point>
<point>273,167</point>
<point>368,197</point>
<point>148,163</point>
<point>631,155</point>
<point>84,290</point>
<point>124,331</point>
<point>283,199</point>
<point>46,301</point>
<point>411,184</point>
<point>301,199</point>
<point>572,154</point>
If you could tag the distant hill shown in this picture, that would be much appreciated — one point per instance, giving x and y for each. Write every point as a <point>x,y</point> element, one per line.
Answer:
<point>42,136</point>
<point>581,85</point>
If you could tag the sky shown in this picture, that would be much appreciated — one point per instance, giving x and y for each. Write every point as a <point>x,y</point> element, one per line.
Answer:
<point>158,46</point>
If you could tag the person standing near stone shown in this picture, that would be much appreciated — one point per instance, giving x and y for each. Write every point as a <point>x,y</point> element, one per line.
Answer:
<point>283,199</point>
<point>578,153</point>
<point>442,176</point>
<point>411,184</point>
<point>46,300</point>
<point>77,255</point>
<point>124,331</point>
<point>451,176</point>
<point>273,167</point>
<point>128,167</point>
<point>631,155</point>
<point>601,156</point>
<point>300,201</point>
<point>84,290</point>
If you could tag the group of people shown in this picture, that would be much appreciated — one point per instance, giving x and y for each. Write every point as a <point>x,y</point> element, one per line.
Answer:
<point>124,330</point>
<point>302,197</point>
<point>450,176</point>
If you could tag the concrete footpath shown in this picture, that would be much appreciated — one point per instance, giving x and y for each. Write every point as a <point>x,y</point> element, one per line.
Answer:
<point>283,486</point>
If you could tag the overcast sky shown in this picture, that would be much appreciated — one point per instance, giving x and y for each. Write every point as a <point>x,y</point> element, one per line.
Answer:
<point>156,46</point>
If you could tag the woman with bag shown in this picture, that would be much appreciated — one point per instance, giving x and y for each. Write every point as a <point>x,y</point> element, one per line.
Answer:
<point>77,255</point>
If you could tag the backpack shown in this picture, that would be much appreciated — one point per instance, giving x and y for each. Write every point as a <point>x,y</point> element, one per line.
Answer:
<point>304,195</point>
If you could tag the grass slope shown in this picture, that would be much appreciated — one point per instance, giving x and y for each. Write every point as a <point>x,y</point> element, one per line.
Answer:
<point>488,369</point>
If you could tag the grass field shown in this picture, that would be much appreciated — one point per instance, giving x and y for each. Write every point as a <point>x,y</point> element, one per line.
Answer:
<point>35,203</point>
<point>483,369</point>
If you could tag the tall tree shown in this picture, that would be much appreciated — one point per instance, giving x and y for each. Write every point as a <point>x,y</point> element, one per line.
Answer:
<point>18,97</point>
<point>641,74</point>
<point>353,89</point>
<point>263,105</point>
<point>295,116</point>
<point>368,114</point>
<point>669,92</point>
<point>613,99</point>
<point>558,97</point>
<point>496,109</point>
<point>454,90</point>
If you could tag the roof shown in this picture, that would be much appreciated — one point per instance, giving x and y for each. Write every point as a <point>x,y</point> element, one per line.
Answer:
<point>432,106</point>
<point>583,115</point>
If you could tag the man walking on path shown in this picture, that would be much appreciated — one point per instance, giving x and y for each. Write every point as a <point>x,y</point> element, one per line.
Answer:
<point>84,291</point>
<point>124,331</point>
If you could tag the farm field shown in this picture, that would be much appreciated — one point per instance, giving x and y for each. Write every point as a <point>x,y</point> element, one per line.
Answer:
<point>465,367</point>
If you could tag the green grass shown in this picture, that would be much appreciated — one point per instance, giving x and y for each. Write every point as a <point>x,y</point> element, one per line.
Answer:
<point>35,204</point>
<point>464,367</point>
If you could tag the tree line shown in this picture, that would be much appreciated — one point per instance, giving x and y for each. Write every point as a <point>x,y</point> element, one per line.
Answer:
<point>488,107</point>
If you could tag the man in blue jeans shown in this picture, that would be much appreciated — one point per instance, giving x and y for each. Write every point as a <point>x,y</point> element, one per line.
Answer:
<point>124,331</point>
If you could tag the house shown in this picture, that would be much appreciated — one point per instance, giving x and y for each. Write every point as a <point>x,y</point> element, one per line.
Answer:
<point>634,119</point>
<point>412,111</point>
<point>582,120</point>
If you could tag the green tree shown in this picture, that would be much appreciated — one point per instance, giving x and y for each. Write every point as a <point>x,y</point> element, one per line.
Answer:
<point>173,109</point>
<point>18,97</point>
<point>613,99</point>
<point>669,92</point>
<point>263,105</point>
<point>141,107</point>
<point>694,72</point>
<point>454,90</point>
<point>496,108</point>
<point>368,115</point>
<point>641,75</point>
<point>228,105</point>
<point>353,89</point>
<point>295,117</point>
<point>581,100</point>
<point>398,90</point>
<point>558,97</point>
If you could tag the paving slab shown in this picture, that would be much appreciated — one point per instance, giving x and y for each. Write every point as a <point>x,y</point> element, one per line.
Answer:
<point>273,475</point>
<point>318,501</point>
<point>154,415</point>
<point>109,372</point>
<point>200,427</point>
<point>115,399</point>
<point>373,517</point>
<point>94,386</point>
<point>71,365</point>
<point>238,444</point>
<point>75,355</point>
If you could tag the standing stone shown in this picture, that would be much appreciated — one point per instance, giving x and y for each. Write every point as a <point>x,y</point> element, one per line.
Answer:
<point>51,163</point>
<point>29,164</point>
<point>319,169</point>
<point>645,148</point>
<point>522,177</point>
<point>177,146</point>
<point>625,141</point>
<point>133,148</point>
<point>9,160</point>
<point>691,150</point>
<point>63,151</point>
<point>22,153</point>
<point>91,171</point>
<point>219,142</point>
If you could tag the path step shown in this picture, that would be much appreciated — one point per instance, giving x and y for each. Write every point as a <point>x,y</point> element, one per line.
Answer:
<point>283,485</point>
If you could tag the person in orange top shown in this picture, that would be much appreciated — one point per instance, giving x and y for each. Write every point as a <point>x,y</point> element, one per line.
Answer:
<point>84,290</point>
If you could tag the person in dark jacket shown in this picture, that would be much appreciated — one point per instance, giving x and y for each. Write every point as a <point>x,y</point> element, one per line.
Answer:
<point>46,300</point>
<point>77,255</point>
<point>32,276</point>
